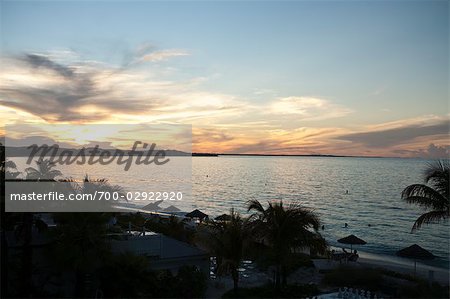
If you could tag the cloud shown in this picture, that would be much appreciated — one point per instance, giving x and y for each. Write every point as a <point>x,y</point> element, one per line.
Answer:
<point>424,120</point>
<point>39,88</point>
<point>397,136</point>
<point>432,152</point>
<point>163,55</point>
<point>92,92</point>
<point>378,91</point>
<point>254,140</point>
<point>36,84</point>
<point>438,151</point>
<point>42,61</point>
<point>308,108</point>
<point>211,135</point>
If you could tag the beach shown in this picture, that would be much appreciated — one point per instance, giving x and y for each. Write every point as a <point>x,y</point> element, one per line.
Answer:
<point>372,208</point>
<point>391,263</point>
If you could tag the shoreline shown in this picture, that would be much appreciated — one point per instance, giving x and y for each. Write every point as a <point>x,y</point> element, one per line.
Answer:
<point>366,259</point>
<point>391,263</point>
<point>364,256</point>
<point>396,260</point>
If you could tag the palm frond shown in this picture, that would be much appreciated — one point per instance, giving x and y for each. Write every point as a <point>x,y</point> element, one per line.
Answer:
<point>424,196</point>
<point>44,171</point>
<point>284,228</point>
<point>430,217</point>
<point>255,205</point>
<point>225,240</point>
<point>10,164</point>
<point>438,175</point>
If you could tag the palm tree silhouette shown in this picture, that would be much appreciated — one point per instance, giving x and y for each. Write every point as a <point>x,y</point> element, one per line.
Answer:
<point>285,229</point>
<point>89,186</point>
<point>434,196</point>
<point>7,166</point>
<point>81,240</point>
<point>226,240</point>
<point>44,171</point>
<point>80,245</point>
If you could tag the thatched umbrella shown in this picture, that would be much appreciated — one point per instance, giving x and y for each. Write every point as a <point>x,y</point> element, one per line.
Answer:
<point>172,209</point>
<point>196,214</point>
<point>352,240</point>
<point>153,206</point>
<point>417,253</point>
<point>223,217</point>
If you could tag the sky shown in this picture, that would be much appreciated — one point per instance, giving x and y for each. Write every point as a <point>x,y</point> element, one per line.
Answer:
<point>291,77</point>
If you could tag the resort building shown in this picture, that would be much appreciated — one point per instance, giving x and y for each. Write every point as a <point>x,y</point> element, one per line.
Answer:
<point>164,252</point>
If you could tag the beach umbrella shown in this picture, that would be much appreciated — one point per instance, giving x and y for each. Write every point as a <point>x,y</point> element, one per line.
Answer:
<point>153,206</point>
<point>172,209</point>
<point>223,217</point>
<point>417,253</point>
<point>196,214</point>
<point>352,240</point>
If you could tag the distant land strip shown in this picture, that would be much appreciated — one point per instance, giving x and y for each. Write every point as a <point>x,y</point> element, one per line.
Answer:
<point>23,151</point>
<point>282,155</point>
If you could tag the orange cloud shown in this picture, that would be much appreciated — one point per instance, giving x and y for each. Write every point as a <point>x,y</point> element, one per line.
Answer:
<point>42,88</point>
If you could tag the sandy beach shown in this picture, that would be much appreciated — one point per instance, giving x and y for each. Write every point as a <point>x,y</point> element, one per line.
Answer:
<point>392,263</point>
<point>404,266</point>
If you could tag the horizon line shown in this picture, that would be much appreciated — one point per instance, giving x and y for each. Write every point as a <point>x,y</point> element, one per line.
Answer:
<point>197,154</point>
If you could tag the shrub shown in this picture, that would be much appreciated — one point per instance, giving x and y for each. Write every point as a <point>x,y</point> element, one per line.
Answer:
<point>128,276</point>
<point>190,282</point>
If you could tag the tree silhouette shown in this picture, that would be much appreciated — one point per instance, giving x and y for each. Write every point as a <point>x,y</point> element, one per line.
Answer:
<point>44,171</point>
<point>285,229</point>
<point>434,196</point>
<point>226,240</point>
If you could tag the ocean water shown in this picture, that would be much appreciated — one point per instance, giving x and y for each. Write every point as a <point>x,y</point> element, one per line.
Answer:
<point>374,194</point>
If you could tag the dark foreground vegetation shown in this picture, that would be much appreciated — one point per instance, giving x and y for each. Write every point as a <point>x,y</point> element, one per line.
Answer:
<point>267,291</point>
<point>76,256</point>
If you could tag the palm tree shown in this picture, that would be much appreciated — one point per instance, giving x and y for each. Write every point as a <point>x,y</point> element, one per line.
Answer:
<point>4,247</point>
<point>44,171</point>
<point>80,245</point>
<point>285,229</point>
<point>226,240</point>
<point>434,196</point>
<point>89,186</point>
<point>8,171</point>
<point>6,166</point>
<point>81,240</point>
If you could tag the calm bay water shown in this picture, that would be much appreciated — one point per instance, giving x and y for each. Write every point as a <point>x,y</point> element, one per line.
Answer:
<point>374,186</point>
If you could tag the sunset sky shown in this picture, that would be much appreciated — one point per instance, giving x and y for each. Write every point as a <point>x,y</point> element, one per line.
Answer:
<point>293,77</point>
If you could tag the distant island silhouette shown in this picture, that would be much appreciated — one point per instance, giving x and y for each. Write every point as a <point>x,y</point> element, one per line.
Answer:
<point>280,155</point>
<point>23,151</point>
